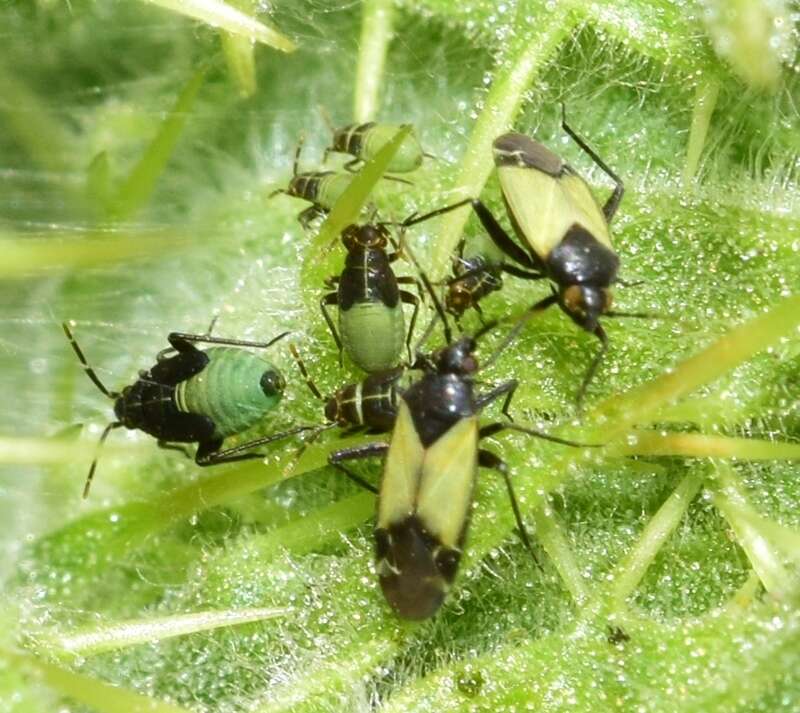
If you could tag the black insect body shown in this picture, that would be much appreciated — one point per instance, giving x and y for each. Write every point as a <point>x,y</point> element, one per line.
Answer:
<point>369,301</point>
<point>196,396</point>
<point>429,474</point>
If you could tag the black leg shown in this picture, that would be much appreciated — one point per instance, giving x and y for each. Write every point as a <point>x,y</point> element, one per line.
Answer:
<point>611,205</point>
<point>89,478</point>
<point>369,450</point>
<point>410,299</point>
<point>184,450</point>
<point>540,306</point>
<point>524,274</point>
<point>208,452</point>
<point>600,333</point>
<point>487,459</point>
<point>311,213</point>
<point>507,388</point>
<point>503,241</point>
<point>330,300</point>
<point>182,342</point>
<point>493,429</point>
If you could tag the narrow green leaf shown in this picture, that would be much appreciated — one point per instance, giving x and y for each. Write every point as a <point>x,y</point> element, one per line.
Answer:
<point>137,188</point>
<point>376,34</point>
<point>221,15</point>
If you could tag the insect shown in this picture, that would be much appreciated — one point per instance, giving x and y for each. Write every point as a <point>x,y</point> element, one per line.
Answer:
<point>320,188</point>
<point>429,473</point>
<point>196,395</point>
<point>563,230</point>
<point>363,141</point>
<point>368,298</point>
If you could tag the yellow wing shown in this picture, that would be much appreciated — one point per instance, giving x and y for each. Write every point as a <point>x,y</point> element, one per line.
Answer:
<point>545,206</point>
<point>401,471</point>
<point>447,482</point>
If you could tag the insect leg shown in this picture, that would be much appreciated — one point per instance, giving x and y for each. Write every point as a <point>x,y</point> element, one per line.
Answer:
<point>524,274</point>
<point>507,388</point>
<point>182,342</point>
<point>540,306</point>
<point>89,478</point>
<point>611,205</point>
<point>164,445</point>
<point>487,459</point>
<point>332,298</point>
<point>208,452</point>
<point>495,428</point>
<point>368,450</point>
<point>600,333</point>
<point>410,299</point>
<point>353,165</point>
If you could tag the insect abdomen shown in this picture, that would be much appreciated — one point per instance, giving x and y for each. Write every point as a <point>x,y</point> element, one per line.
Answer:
<point>373,334</point>
<point>407,158</point>
<point>230,390</point>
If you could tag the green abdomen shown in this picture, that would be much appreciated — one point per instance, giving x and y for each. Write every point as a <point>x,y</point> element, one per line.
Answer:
<point>229,390</point>
<point>373,335</point>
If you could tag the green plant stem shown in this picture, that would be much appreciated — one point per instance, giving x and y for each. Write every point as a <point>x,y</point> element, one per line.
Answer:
<point>629,572</point>
<point>511,81</point>
<point>705,100</point>
<point>102,697</point>
<point>731,499</point>
<point>641,404</point>
<point>220,15</point>
<point>141,631</point>
<point>550,532</point>
<point>697,445</point>
<point>134,192</point>
<point>376,35</point>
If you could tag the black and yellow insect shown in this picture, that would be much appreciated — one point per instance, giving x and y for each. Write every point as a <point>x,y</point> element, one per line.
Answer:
<point>369,301</point>
<point>563,230</point>
<point>320,188</point>
<point>196,396</point>
<point>364,141</point>
<point>429,473</point>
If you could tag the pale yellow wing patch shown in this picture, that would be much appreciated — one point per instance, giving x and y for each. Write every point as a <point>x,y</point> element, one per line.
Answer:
<point>448,479</point>
<point>546,207</point>
<point>401,471</point>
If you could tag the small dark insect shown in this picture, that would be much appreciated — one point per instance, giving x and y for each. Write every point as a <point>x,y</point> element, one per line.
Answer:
<point>429,473</point>
<point>364,141</point>
<point>196,396</point>
<point>320,188</point>
<point>368,298</point>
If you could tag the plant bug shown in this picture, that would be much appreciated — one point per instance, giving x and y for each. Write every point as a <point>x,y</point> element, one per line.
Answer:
<point>564,231</point>
<point>429,473</point>
<point>363,141</point>
<point>320,188</point>
<point>196,396</point>
<point>368,298</point>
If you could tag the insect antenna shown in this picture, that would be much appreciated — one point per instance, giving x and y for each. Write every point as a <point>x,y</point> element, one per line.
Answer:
<point>88,369</point>
<point>312,387</point>
<point>89,478</point>
<point>448,333</point>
